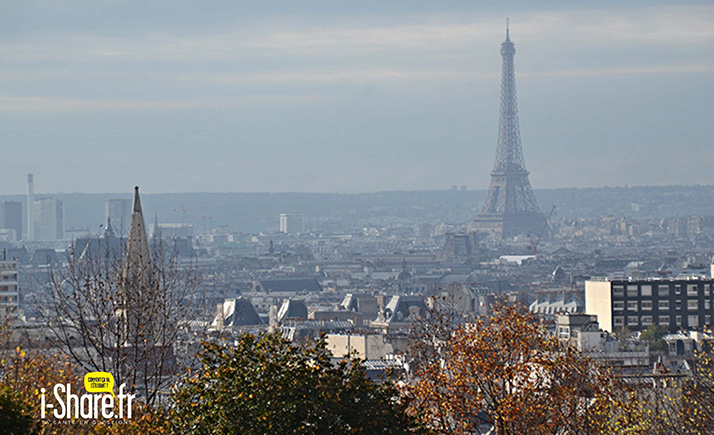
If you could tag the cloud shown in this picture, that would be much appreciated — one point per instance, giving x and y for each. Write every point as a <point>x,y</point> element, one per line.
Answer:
<point>346,38</point>
<point>425,84</point>
<point>15,104</point>
<point>627,70</point>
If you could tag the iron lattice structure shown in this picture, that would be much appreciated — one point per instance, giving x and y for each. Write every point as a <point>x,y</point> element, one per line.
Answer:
<point>510,207</point>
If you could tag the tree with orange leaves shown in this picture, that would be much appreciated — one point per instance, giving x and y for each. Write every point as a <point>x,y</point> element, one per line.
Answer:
<point>22,374</point>
<point>503,373</point>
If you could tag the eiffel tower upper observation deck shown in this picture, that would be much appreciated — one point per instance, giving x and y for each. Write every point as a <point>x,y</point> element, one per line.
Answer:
<point>510,208</point>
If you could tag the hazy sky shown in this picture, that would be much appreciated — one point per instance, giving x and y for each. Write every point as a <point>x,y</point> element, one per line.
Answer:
<point>358,96</point>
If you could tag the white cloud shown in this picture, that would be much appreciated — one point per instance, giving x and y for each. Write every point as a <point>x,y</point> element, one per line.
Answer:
<point>17,104</point>
<point>661,25</point>
<point>627,70</point>
<point>416,71</point>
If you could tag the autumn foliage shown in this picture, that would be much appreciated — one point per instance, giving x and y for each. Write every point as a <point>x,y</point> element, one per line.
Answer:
<point>23,373</point>
<point>466,375</point>
<point>503,371</point>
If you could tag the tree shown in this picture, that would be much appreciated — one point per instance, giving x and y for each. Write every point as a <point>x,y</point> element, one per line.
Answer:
<point>121,310</point>
<point>653,336</point>
<point>22,373</point>
<point>698,396</point>
<point>266,385</point>
<point>14,416</point>
<point>504,372</point>
<point>679,404</point>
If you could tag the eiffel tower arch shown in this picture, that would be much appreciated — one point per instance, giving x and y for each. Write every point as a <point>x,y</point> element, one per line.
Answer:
<point>510,207</point>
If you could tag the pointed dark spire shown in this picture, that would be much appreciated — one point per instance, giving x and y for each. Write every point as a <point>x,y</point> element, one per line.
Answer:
<point>137,246</point>
<point>137,202</point>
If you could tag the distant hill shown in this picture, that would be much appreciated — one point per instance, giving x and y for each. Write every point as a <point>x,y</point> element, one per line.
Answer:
<point>256,212</point>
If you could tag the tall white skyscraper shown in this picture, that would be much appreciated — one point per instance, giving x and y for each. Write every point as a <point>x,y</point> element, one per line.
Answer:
<point>291,224</point>
<point>48,219</point>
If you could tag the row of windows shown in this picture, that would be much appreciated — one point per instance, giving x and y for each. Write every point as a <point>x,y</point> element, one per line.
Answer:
<point>634,290</point>
<point>692,305</point>
<point>692,321</point>
<point>8,299</point>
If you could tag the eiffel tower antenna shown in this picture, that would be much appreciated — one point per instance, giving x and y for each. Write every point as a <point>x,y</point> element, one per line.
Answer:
<point>510,207</point>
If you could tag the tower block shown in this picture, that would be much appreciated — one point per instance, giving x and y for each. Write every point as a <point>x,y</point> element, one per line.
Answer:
<point>510,207</point>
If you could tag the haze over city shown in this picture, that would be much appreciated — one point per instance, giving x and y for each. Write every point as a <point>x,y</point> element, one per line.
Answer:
<point>311,217</point>
<point>356,97</point>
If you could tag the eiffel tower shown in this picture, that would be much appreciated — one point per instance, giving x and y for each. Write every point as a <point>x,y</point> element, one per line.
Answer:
<point>510,208</point>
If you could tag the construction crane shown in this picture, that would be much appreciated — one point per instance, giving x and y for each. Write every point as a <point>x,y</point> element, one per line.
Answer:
<point>181,210</point>
<point>533,245</point>
<point>205,218</point>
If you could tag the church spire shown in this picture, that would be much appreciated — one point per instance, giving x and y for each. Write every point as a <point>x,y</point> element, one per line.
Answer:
<point>135,284</point>
<point>137,246</point>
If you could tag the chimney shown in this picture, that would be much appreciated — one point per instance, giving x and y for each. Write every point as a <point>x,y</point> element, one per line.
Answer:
<point>273,318</point>
<point>220,317</point>
<point>30,206</point>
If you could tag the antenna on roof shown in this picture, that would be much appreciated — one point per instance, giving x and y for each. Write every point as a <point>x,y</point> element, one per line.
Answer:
<point>507,29</point>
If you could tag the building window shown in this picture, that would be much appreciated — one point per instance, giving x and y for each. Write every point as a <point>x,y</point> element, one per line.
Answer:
<point>678,306</point>
<point>646,290</point>
<point>633,321</point>
<point>664,305</point>
<point>707,319</point>
<point>646,320</point>
<point>618,305</point>
<point>692,290</point>
<point>619,321</point>
<point>707,304</point>
<point>632,306</point>
<point>678,289</point>
<point>632,290</point>
<point>707,289</point>
<point>646,305</point>
<point>692,321</point>
<point>663,290</point>
<point>618,290</point>
<point>664,320</point>
<point>678,320</point>
<point>693,305</point>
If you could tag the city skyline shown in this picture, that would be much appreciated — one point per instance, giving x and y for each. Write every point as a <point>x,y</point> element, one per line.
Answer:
<point>98,98</point>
